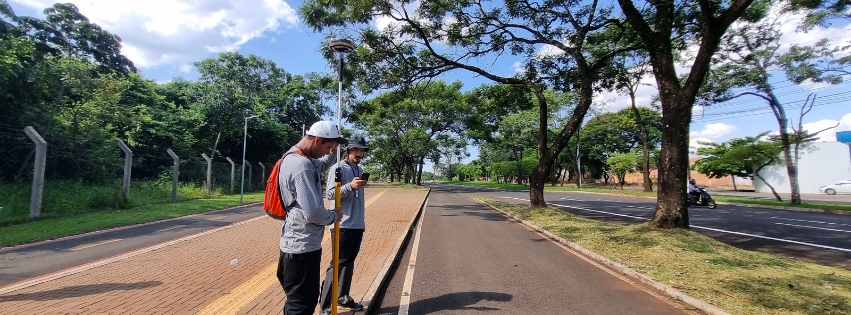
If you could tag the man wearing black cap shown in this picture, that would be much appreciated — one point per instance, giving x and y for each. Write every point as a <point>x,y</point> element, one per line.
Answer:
<point>351,227</point>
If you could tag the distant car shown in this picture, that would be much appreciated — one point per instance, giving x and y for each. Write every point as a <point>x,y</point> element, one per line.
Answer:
<point>843,186</point>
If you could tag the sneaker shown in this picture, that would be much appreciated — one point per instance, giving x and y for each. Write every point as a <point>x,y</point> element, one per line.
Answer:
<point>352,305</point>
<point>326,311</point>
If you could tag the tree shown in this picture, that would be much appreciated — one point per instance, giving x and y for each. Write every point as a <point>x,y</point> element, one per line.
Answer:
<point>66,31</point>
<point>432,111</point>
<point>233,86</point>
<point>665,27</point>
<point>617,132</point>
<point>743,157</point>
<point>749,55</point>
<point>631,70</point>
<point>623,163</point>
<point>443,36</point>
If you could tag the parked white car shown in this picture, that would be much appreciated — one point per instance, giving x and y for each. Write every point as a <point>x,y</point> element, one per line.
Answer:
<point>843,186</point>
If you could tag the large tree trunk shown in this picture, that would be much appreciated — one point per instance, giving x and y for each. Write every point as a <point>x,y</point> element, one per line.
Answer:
<point>733,177</point>
<point>678,98</point>
<point>671,206</point>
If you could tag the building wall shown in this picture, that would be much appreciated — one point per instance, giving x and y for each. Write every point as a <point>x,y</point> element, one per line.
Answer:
<point>726,182</point>
<point>823,164</point>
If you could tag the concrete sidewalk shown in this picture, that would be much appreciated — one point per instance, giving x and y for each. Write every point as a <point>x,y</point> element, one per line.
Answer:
<point>229,270</point>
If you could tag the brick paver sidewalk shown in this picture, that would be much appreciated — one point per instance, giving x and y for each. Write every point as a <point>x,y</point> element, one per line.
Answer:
<point>230,270</point>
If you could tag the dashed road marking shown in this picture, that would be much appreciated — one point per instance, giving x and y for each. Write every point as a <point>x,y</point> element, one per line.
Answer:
<point>95,244</point>
<point>172,228</point>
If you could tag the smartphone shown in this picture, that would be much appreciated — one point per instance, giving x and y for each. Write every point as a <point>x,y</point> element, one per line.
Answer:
<point>364,176</point>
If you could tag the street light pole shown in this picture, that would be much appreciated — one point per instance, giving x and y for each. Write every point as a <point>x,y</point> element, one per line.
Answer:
<point>244,139</point>
<point>341,46</point>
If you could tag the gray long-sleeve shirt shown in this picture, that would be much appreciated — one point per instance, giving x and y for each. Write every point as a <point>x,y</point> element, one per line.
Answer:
<point>351,200</point>
<point>301,192</point>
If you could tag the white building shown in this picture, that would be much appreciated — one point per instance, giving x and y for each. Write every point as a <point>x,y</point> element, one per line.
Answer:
<point>822,163</point>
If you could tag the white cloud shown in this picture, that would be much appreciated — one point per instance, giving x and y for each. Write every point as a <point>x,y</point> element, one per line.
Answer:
<point>694,144</point>
<point>714,131</point>
<point>518,67</point>
<point>185,68</point>
<point>710,133</point>
<point>548,50</point>
<point>830,134</point>
<point>159,32</point>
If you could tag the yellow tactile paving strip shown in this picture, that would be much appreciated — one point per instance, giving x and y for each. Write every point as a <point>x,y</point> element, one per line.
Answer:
<point>188,276</point>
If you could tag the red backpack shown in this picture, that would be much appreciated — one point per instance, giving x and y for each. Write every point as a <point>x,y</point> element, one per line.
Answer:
<point>273,204</point>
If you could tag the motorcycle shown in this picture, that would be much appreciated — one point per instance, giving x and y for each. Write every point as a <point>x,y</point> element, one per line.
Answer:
<point>705,199</point>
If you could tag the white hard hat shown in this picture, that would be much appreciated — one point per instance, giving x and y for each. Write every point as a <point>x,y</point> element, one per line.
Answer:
<point>326,129</point>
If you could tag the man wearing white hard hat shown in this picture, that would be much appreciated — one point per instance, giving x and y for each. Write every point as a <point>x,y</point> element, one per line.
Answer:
<point>301,235</point>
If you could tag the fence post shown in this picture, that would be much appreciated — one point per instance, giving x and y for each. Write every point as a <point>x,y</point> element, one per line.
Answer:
<point>232,174</point>
<point>38,171</point>
<point>128,163</point>
<point>174,175</point>
<point>250,168</point>
<point>209,173</point>
<point>262,174</point>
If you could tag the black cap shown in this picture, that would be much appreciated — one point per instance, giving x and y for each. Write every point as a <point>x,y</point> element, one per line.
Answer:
<point>357,142</point>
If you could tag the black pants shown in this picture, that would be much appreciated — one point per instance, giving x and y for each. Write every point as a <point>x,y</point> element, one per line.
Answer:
<point>299,275</point>
<point>350,240</point>
<point>695,195</point>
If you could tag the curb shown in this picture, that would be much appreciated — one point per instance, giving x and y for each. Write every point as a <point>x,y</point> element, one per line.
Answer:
<point>624,270</point>
<point>124,227</point>
<point>384,274</point>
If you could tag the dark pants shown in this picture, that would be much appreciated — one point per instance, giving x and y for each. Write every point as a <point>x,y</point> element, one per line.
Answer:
<point>350,240</point>
<point>695,195</point>
<point>299,275</point>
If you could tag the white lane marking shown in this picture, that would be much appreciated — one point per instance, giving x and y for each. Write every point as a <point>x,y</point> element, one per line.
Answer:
<point>95,244</point>
<point>809,221</point>
<point>637,207</point>
<point>172,228</point>
<point>713,229</point>
<point>813,227</point>
<point>405,300</point>
<point>775,239</point>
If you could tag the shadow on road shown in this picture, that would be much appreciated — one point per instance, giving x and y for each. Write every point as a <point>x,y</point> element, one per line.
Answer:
<point>78,291</point>
<point>452,301</point>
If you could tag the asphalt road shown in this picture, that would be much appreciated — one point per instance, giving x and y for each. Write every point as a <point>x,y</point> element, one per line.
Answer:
<point>466,259</point>
<point>27,261</point>
<point>815,237</point>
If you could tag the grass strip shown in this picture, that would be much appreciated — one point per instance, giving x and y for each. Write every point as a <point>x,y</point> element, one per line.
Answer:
<point>763,202</point>
<point>55,227</point>
<point>740,281</point>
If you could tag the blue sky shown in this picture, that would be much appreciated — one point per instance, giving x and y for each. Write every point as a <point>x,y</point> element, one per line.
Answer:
<point>164,38</point>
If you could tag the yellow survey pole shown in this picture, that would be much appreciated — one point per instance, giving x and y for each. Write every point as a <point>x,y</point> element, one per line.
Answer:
<point>336,256</point>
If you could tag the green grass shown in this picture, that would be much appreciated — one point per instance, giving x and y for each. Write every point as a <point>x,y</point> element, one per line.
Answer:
<point>70,208</point>
<point>764,202</point>
<point>742,282</point>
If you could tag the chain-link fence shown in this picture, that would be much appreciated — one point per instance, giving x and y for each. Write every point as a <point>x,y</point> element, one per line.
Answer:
<point>89,176</point>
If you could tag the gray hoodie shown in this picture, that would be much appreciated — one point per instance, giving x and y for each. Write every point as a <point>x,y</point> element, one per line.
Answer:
<point>301,191</point>
<point>352,201</point>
